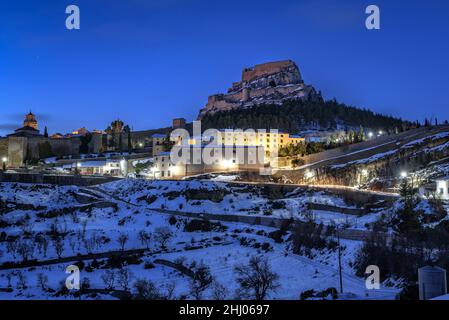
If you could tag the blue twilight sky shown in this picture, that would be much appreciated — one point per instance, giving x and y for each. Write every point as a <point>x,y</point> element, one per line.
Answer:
<point>147,62</point>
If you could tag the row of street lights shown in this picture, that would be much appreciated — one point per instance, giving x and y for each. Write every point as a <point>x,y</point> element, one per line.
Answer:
<point>371,134</point>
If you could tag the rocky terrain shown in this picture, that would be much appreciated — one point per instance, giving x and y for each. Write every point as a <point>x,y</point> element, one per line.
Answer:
<point>268,83</point>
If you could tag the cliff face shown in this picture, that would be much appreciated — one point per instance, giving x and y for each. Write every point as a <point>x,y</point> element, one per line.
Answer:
<point>268,83</point>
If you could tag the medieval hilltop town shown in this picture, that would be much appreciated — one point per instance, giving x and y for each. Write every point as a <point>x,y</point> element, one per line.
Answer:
<point>330,190</point>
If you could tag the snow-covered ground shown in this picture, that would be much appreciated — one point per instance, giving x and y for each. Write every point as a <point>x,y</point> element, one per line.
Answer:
<point>32,212</point>
<point>232,199</point>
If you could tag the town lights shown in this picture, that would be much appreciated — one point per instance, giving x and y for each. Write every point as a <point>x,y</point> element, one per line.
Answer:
<point>140,144</point>
<point>364,172</point>
<point>226,163</point>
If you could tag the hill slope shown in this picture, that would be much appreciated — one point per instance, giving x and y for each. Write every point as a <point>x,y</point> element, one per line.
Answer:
<point>295,115</point>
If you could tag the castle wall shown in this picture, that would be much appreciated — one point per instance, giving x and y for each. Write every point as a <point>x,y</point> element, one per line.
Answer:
<point>3,148</point>
<point>39,148</point>
<point>17,151</point>
<point>96,143</point>
<point>266,69</point>
<point>63,147</point>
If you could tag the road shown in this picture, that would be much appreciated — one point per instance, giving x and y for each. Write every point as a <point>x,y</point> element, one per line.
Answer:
<point>365,149</point>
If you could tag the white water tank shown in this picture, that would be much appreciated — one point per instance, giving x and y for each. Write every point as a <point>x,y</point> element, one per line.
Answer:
<point>432,282</point>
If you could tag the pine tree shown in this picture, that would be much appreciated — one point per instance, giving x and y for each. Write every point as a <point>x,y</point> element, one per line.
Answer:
<point>45,132</point>
<point>120,141</point>
<point>408,219</point>
<point>128,133</point>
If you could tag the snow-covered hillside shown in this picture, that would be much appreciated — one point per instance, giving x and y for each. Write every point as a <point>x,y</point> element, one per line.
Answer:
<point>112,232</point>
<point>233,199</point>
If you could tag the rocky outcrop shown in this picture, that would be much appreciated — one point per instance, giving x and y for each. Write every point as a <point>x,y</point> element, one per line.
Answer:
<point>268,83</point>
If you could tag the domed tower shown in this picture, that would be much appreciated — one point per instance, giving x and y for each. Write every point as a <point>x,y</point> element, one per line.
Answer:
<point>30,121</point>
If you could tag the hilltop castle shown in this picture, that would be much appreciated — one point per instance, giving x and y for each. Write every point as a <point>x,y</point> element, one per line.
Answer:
<point>268,83</point>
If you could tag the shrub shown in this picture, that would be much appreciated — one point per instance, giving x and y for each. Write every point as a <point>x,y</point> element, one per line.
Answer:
<point>203,226</point>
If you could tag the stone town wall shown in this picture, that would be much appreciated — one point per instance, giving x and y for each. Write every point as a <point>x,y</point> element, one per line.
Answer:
<point>17,151</point>
<point>62,180</point>
<point>266,69</point>
<point>3,147</point>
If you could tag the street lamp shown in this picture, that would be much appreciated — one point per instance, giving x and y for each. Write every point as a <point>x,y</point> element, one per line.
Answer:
<point>309,174</point>
<point>403,174</point>
<point>370,135</point>
<point>4,160</point>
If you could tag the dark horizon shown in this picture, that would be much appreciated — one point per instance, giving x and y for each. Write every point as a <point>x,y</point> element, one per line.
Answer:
<point>149,62</point>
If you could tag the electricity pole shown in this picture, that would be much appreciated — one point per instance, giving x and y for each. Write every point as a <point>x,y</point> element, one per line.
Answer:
<point>339,261</point>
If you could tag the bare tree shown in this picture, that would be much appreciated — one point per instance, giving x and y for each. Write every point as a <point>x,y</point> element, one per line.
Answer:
<point>201,280</point>
<point>84,228</point>
<point>162,235</point>
<point>123,278</point>
<point>25,249</point>
<point>9,278</point>
<point>122,239</point>
<point>38,241</point>
<point>59,247</point>
<point>72,244</point>
<point>11,247</point>
<point>92,243</point>
<point>54,228</point>
<point>220,292</point>
<point>108,279</point>
<point>145,238</point>
<point>42,281</point>
<point>146,290</point>
<point>74,216</point>
<point>256,279</point>
<point>170,291</point>
<point>44,245</point>
<point>21,280</point>
<point>85,283</point>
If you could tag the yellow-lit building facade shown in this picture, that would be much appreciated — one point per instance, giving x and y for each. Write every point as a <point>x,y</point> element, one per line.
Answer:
<point>271,142</point>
